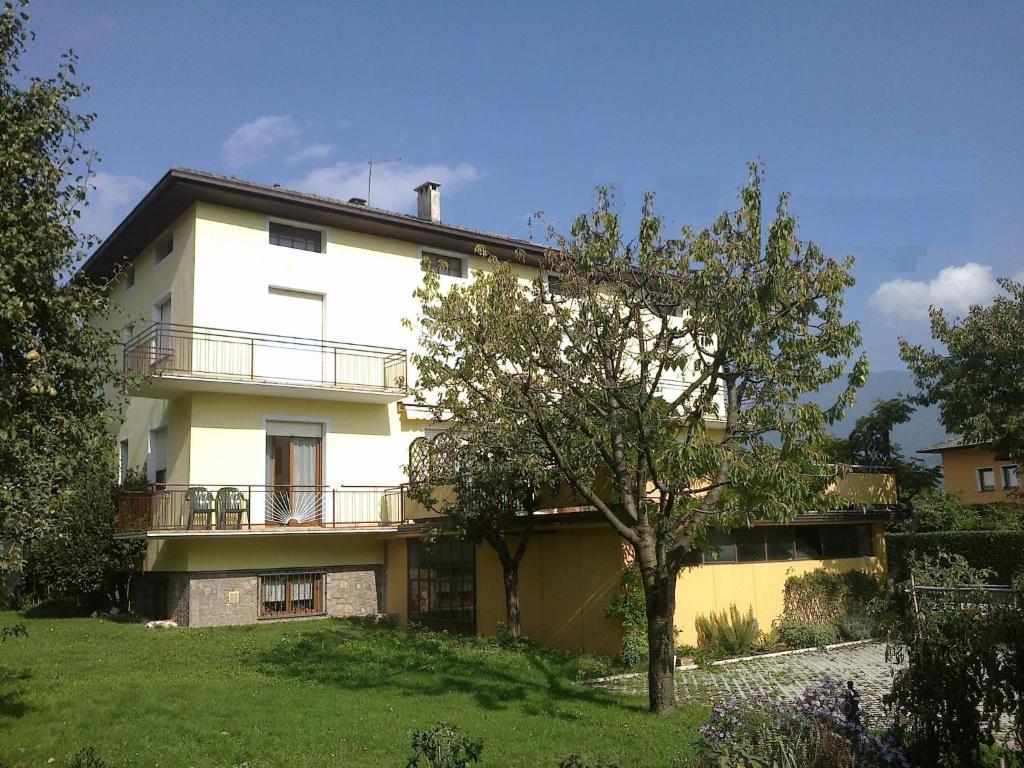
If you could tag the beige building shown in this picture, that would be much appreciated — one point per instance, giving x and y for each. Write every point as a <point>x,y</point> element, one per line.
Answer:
<point>270,406</point>
<point>976,472</point>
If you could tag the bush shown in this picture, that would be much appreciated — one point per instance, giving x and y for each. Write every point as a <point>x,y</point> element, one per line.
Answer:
<point>575,761</point>
<point>443,746</point>
<point>727,633</point>
<point>997,550</point>
<point>795,633</point>
<point>857,626</point>
<point>822,597</point>
<point>824,728</point>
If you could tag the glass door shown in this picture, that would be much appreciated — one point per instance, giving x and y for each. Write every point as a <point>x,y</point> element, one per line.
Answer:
<point>294,496</point>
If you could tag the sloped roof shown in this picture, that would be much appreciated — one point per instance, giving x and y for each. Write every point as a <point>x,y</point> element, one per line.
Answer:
<point>950,445</point>
<point>179,188</point>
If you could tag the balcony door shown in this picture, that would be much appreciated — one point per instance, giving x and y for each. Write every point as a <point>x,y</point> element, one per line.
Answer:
<point>294,350</point>
<point>294,474</point>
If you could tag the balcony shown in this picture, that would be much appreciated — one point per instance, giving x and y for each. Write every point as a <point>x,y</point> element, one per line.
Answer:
<point>225,509</point>
<point>167,360</point>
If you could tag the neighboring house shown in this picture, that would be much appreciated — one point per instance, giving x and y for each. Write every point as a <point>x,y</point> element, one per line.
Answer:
<point>272,413</point>
<point>977,472</point>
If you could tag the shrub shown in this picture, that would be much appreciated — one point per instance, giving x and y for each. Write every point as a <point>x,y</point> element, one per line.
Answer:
<point>575,761</point>
<point>997,550</point>
<point>727,633</point>
<point>443,746</point>
<point>824,728</point>
<point>87,758</point>
<point>857,626</point>
<point>795,633</point>
<point>822,597</point>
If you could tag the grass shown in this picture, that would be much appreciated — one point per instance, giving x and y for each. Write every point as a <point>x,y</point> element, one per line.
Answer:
<point>318,693</point>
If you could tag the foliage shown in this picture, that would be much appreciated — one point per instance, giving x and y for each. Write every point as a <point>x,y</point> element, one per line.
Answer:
<point>870,443</point>
<point>79,557</point>
<point>87,758</point>
<point>857,626</point>
<point>939,510</point>
<point>382,683</point>
<point>998,551</point>
<point>628,605</point>
<point>492,494</point>
<point>964,668</point>
<point>55,359</point>
<point>728,633</point>
<point>795,633</point>
<point>575,761</point>
<point>824,728</point>
<point>678,364</point>
<point>977,378</point>
<point>15,630</point>
<point>822,597</point>
<point>443,746</point>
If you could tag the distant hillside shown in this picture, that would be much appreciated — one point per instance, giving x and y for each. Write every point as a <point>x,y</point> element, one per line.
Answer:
<point>923,429</point>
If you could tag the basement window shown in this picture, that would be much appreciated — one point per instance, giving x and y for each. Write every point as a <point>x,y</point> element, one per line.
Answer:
<point>290,595</point>
<point>300,238</point>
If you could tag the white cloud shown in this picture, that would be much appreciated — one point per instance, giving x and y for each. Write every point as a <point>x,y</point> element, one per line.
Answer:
<point>109,202</point>
<point>954,289</point>
<point>393,183</point>
<point>310,152</point>
<point>250,143</point>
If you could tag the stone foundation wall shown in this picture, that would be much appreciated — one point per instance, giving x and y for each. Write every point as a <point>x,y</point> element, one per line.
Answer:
<point>223,598</point>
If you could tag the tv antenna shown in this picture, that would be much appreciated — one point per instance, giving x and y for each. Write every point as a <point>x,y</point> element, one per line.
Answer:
<point>376,161</point>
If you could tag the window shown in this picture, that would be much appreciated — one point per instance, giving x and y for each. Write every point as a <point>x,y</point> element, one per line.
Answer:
<point>808,542</point>
<point>122,460</point>
<point>846,541</point>
<point>986,479</point>
<point>442,585</point>
<point>157,462</point>
<point>721,548</point>
<point>554,285</point>
<point>285,595</point>
<point>295,237</point>
<point>750,545</point>
<point>444,265</point>
<point>164,248</point>
<point>129,277</point>
<point>780,543</point>
<point>1011,477</point>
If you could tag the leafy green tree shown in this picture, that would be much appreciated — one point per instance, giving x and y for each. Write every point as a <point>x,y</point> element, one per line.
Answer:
<point>977,380</point>
<point>489,496</point>
<point>662,378</point>
<point>54,359</point>
<point>870,442</point>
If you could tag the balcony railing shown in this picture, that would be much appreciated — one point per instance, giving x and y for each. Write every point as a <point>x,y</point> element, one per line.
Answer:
<point>257,507</point>
<point>213,353</point>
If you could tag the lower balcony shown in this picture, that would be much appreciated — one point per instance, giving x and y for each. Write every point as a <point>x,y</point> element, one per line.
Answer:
<point>252,508</point>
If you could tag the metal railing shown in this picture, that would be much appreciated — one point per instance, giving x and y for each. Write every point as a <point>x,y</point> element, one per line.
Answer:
<point>189,350</point>
<point>978,597</point>
<point>257,507</point>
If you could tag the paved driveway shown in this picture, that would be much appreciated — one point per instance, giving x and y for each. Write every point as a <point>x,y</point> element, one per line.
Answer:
<point>782,677</point>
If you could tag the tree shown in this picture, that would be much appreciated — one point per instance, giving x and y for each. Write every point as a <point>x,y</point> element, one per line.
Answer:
<point>870,442</point>
<point>978,381</point>
<point>662,378</point>
<point>491,496</point>
<point>54,358</point>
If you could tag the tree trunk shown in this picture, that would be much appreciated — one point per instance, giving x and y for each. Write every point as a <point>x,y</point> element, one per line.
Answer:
<point>510,573</point>
<point>660,599</point>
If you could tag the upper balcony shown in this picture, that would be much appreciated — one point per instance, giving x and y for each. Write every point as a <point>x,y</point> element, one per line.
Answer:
<point>172,359</point>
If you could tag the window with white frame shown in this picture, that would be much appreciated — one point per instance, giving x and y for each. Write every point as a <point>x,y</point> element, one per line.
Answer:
<point>1011,477</point>
<point>300,238</point>
<point>986,479</point>
<point>122,460</point>
<point>442,264</point>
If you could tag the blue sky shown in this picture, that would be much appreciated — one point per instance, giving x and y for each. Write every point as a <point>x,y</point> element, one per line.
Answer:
<point>898,128</point>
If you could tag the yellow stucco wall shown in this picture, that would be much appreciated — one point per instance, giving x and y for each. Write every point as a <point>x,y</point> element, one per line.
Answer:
<point>959,470</point>
<point>713,588</point>
<point>567,578</point>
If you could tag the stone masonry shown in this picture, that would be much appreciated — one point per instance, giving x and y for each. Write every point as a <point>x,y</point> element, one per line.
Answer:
<point>212,599</point>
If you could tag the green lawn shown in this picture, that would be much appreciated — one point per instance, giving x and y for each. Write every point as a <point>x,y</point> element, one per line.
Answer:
<point>317,693</point>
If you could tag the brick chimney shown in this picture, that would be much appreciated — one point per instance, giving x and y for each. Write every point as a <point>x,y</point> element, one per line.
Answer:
<point>428,201</point>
